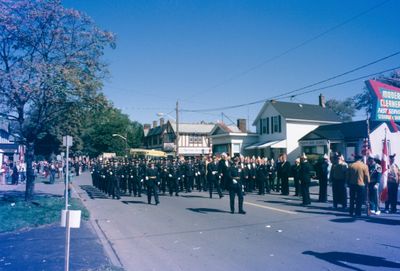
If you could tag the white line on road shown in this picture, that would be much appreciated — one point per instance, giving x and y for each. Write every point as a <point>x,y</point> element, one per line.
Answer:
<point>270,208</point>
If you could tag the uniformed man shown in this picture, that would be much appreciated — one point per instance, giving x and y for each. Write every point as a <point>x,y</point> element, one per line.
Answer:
<point>392,185</point>
<point>285,169</point>
<point>235,186</point>
<point>261,176</point>
<point>223,166</point>
<point>375,173</point>
<point>213,177</point>
<point>338,180</point>
<point>173,174</point>
<point>152,182</point>
<point>305,179</point>
<point>189,175</point>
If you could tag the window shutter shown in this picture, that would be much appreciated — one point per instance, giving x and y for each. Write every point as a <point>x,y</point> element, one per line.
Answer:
<point>272,125</point>
<point>280,124</point>
<point>267,124</point>
<point>261,124</point>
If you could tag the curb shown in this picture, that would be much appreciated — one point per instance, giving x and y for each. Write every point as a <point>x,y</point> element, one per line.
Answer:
<point>106,243</point>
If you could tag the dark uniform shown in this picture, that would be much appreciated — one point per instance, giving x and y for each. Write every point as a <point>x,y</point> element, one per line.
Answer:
<point>213,178</point>
<point>172,181</point>
<point>189,176</point>
<point>261,178</point>
<point>235,187</point>
<point>305,179</point>
<point>152,180</point>
<point>285,169</point>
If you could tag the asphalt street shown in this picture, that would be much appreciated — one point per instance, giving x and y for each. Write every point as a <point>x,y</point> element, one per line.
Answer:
<point>194,232</point>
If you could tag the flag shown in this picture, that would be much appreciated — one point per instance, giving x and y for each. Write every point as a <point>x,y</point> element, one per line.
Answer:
<point>384,176</point>
<point>366,149</point>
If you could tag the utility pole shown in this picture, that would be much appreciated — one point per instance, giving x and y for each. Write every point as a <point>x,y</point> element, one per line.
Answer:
<point>177,129</point>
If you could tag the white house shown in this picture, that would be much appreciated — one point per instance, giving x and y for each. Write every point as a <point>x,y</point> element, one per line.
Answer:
<point>232,139</point>
<point>280,125</point>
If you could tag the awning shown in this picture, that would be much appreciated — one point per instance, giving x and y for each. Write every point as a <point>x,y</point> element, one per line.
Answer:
<point>281,144</point>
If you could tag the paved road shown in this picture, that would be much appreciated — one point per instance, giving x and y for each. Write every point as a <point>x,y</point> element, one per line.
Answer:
<point>193,232</point>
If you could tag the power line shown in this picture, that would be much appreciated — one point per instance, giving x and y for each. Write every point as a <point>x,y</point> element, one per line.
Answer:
<point>301,88</point>
<point>340,75</point>
<point>343,83</point>
<point>292,96</point>
<point>291,49</point>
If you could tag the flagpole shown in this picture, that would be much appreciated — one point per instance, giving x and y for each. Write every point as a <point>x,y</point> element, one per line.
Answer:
<point>366,153</point>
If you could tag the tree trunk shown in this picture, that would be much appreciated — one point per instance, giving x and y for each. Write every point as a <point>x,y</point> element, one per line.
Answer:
<point>30,173</point>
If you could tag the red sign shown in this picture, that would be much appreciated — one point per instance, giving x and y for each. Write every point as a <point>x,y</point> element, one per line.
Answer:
<point>386,104</point>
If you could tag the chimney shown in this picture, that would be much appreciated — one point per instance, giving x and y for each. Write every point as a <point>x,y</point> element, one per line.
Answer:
<point>241,124</point>
<point>322,100</point>
<point>146,126</point>
<point>161,121</point>
<point>154,123</point>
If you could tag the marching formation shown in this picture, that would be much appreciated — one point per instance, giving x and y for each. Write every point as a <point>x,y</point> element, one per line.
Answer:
<point>241,175</point>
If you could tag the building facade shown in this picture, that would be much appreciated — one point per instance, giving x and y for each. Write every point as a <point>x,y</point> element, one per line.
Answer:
<point>232,139</point>
<point>193,138</point>
<point>280,125</point>
<point>350,138</point>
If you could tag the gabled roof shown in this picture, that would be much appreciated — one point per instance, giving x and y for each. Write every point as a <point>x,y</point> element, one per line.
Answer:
<point>300,111</point>
<point>193,128</point>
<point>226,128</point>
<point>158,130</point>
<point>345,131</point>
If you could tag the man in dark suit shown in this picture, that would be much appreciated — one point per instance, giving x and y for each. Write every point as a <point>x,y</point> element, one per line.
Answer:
<point>285,170</point>
<point>152,181</point>
<point>235,186</point>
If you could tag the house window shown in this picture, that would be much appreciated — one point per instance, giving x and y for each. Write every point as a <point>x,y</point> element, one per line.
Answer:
<point>261,126</point>
<point>195,139</point>
<point>265,126</point>
<point>276,124</point>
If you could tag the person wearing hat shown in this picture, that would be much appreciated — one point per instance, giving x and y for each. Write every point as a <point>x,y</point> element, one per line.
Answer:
<point>152,182</point>
<point>284,173</point>
<point>323,170</point>
<point>393,185</point>
<point>235,186</point>
<point>296,176</point>
<point>223,166</point>
<point>172,181</point>
<point>212,176</point>
<point>305,179</point>
<point>357,177</point>
<point>338,181</point>
<point>375,173</point>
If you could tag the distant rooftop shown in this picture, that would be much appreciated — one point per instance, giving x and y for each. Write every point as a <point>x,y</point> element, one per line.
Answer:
<point>301,111</point>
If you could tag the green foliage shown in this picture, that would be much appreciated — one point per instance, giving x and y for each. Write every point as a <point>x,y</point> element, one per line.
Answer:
<point>104,122</point>
<point>16,214</point>
<point>344,109</point>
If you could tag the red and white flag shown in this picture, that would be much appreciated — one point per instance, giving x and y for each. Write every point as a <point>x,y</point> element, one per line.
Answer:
<point>384,177</point>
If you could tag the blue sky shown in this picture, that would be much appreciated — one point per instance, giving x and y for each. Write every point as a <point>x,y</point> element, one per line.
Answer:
<point>199,51</point>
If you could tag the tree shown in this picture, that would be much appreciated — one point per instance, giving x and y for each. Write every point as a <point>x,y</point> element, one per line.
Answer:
<point>102,124</point>
<point>344,109</point>
<point>50,65</point>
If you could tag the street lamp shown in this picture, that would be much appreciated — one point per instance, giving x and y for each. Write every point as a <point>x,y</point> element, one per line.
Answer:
<point>124,138</point>
<point>176,126</point>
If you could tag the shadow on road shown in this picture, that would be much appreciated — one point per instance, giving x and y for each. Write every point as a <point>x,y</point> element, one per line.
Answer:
<point>206,210</point>
<point>345,259</point>
<point>193,196</point>
<point>376,220</point>
<point>93,192</point>
<point>132,202</point>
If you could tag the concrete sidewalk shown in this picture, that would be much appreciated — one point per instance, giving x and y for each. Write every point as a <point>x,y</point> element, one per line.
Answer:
<point>43,248</point>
